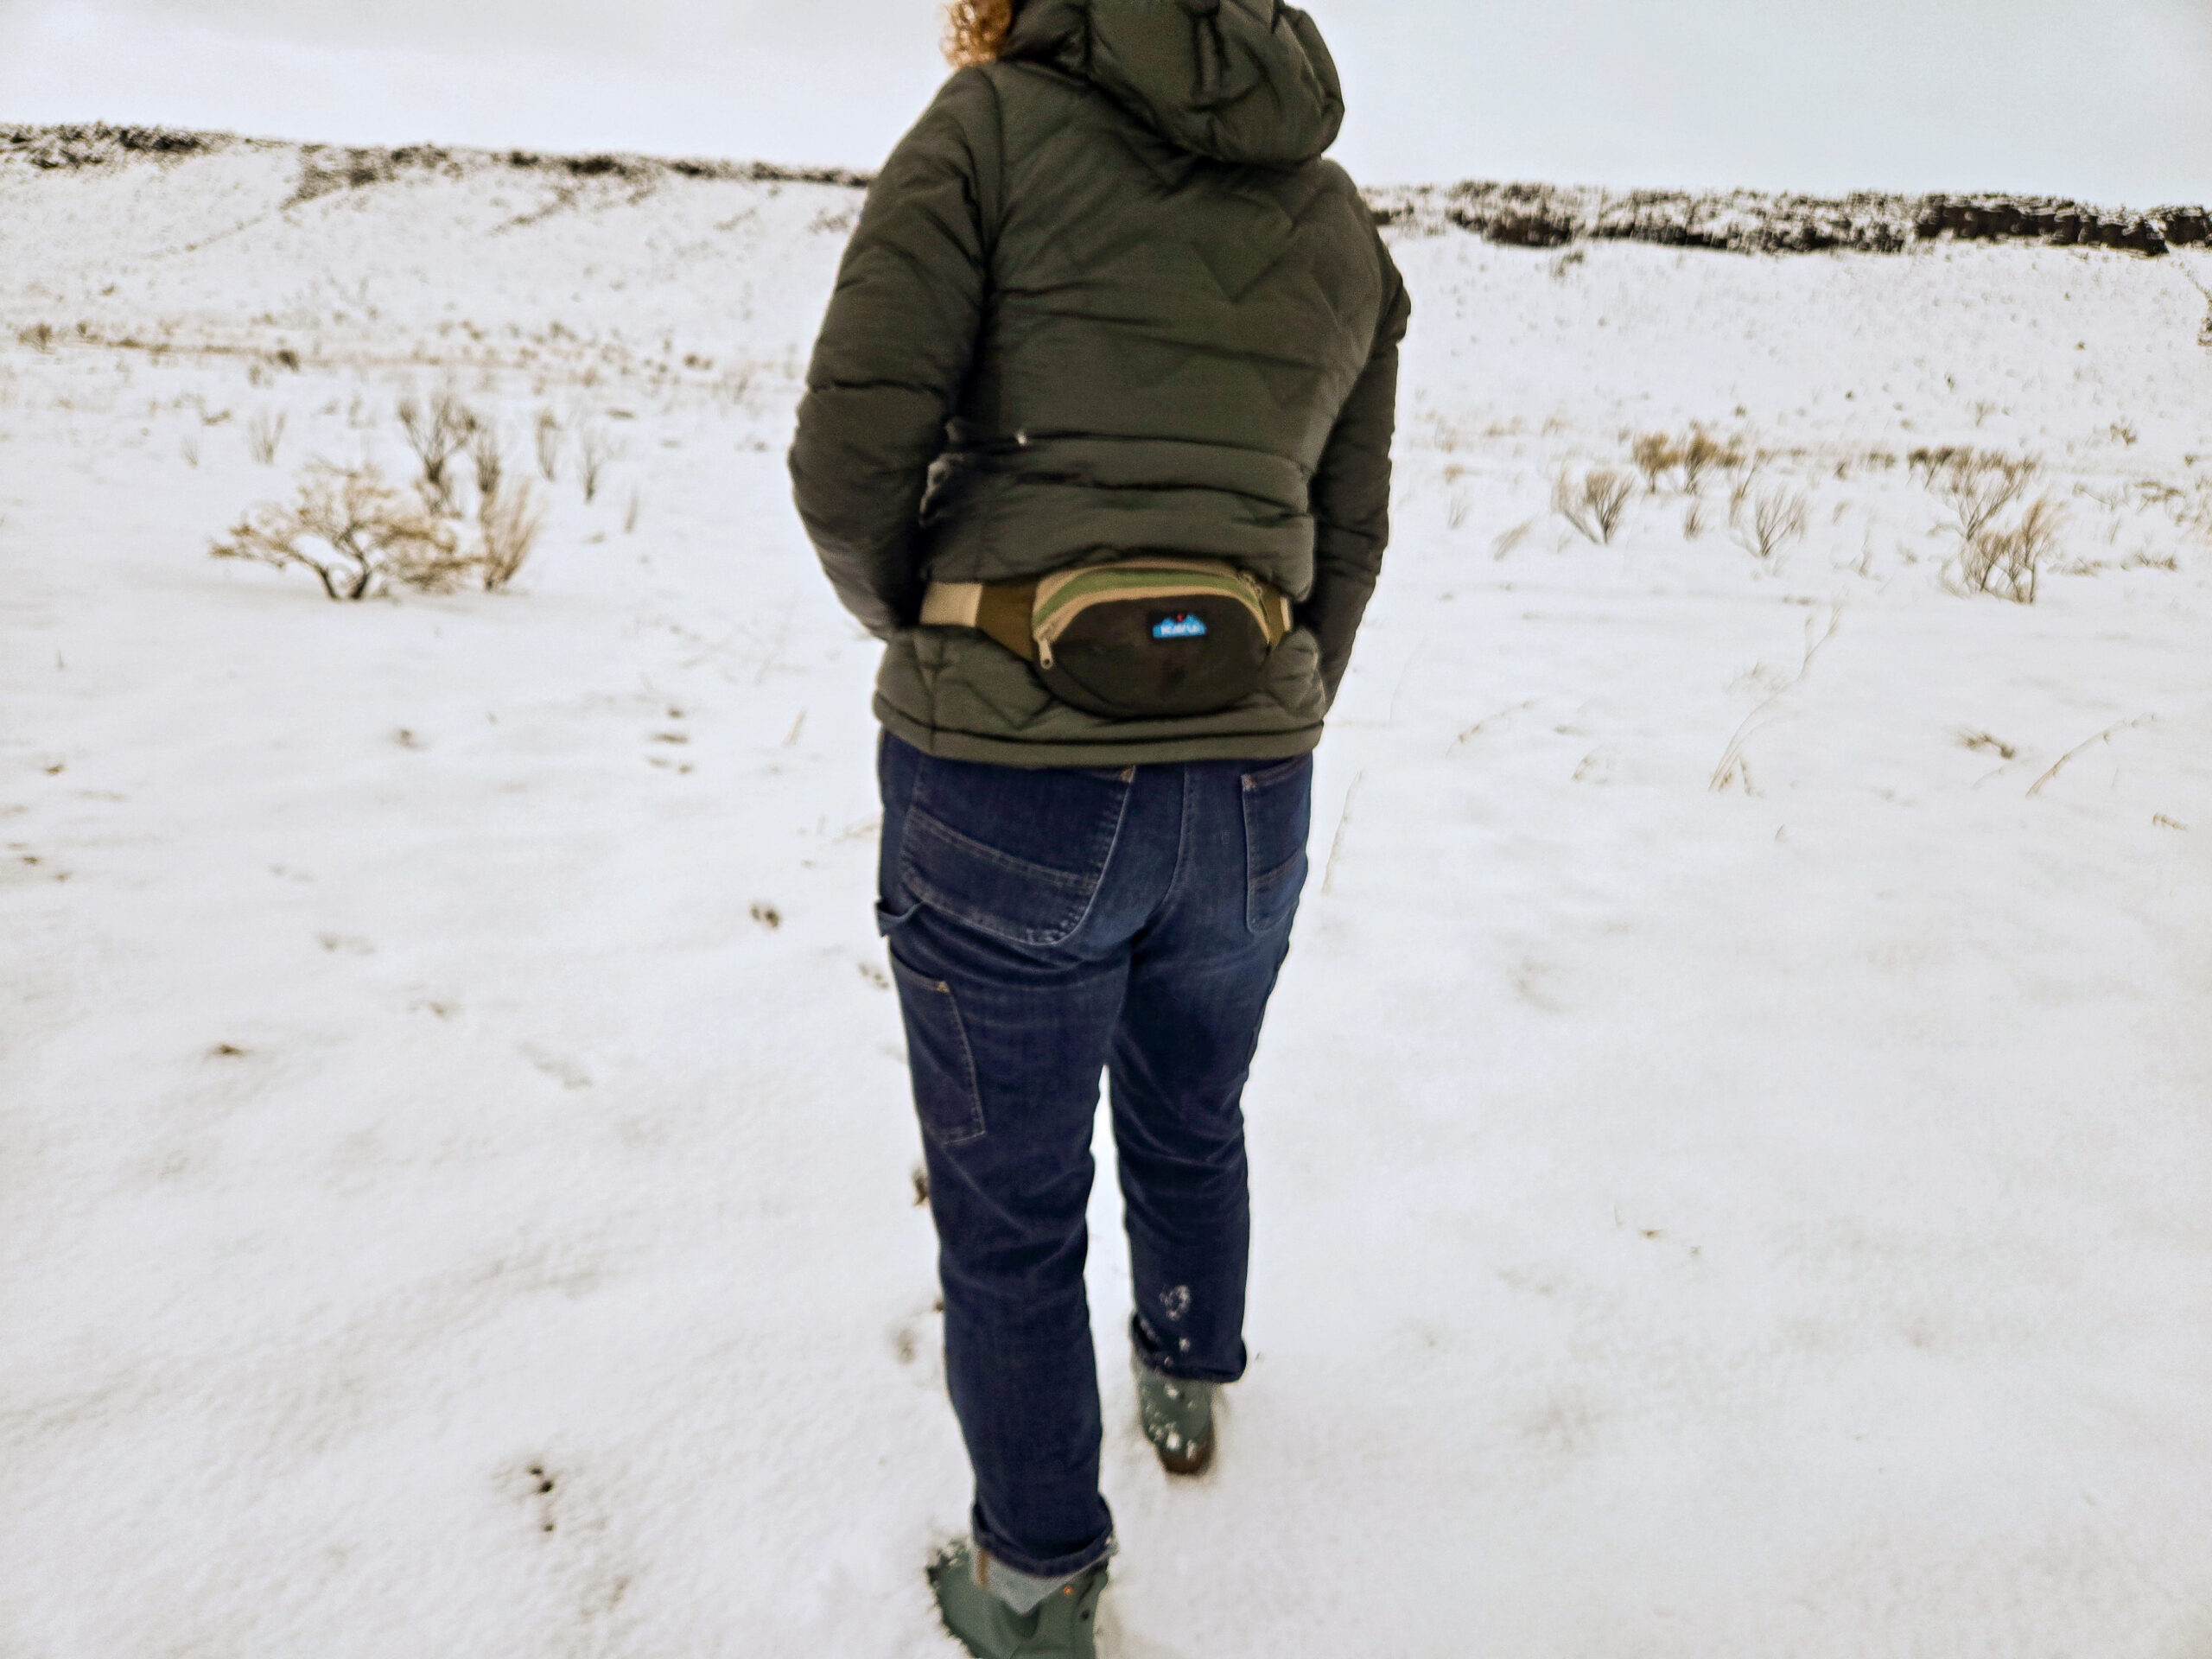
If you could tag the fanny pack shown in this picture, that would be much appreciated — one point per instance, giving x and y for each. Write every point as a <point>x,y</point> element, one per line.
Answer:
<point>1136,639</point>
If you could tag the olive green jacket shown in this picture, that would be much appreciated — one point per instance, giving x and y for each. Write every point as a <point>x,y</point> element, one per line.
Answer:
<point>1106,299</point>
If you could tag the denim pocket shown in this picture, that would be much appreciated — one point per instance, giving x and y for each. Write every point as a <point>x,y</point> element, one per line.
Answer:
<point>1278,817</point>
<point>947,1096</point>
<point>1018,854</point>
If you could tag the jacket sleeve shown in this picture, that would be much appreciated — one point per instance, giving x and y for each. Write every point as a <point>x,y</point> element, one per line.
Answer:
<point>894,350</point>
<point>1351,491</point>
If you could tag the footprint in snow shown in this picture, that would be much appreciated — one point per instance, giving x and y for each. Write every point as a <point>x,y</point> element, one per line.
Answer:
<point>565,1072</point>
<point>542,1486</point>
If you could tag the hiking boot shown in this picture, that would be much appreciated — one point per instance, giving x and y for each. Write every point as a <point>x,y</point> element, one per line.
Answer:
<point>1178,1418</point>
<point>1059,1627</point>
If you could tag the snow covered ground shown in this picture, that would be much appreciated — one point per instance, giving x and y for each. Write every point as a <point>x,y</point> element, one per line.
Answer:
<point>455,1166</point>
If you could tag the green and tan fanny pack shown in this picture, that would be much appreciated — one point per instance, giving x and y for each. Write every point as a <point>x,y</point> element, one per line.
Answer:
<point>1136,639</point>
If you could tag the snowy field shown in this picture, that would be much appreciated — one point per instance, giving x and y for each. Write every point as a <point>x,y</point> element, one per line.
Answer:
<point>1734,1146</point>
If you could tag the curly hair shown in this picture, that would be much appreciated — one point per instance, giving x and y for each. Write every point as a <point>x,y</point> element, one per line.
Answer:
<point>975,30</point>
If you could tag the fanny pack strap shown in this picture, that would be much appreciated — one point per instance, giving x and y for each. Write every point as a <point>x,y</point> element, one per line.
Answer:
<point>1001,609</point>
<point>1006,611</point>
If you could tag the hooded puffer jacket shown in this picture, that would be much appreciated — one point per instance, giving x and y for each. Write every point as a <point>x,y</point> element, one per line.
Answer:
<point>1107,300</point>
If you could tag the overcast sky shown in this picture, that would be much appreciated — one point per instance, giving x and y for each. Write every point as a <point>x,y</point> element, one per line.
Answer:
<point>2109,100</point>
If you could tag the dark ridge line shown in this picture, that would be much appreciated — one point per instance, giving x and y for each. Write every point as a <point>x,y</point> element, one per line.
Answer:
<point>328,167</point>
<point>1749,221</point>
<point>1538,216</point>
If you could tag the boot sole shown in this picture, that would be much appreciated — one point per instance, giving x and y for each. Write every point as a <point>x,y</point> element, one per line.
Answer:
<point>1186,1463</point>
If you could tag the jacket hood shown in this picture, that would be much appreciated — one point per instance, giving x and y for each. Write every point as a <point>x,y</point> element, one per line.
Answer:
<point>1248,81</point>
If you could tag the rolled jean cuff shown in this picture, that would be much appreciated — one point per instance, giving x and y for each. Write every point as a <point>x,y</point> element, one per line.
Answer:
<point>1148,1352</point>
<point>1024,1589</point>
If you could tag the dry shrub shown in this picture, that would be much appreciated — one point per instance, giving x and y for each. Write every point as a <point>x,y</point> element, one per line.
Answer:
<point>1701,453</point>
<point>354,532</point>
<point>2008,562</point>
<point>359,534</point>
<point>1977,484</point>
<point>1594,504</point>
<point>1775,519</point>
<point>1655,456</point>
<point>1695,453</point>
<point>437,432</point>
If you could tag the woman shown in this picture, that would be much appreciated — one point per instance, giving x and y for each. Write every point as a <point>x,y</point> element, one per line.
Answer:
<point>1096,439</point>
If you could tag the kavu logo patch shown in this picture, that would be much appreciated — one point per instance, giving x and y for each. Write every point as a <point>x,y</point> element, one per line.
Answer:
<point>1180,626</point>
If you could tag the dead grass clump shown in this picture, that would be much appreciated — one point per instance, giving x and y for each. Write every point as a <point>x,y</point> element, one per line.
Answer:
<point>1595,504</point>
<point>1776,517</point>
<point>488,458</point>
<point>1741,492</point>
<point>265,435</point>
<point>355,532</point>
<point>508,516</point>
<point>549,445</point>
<point>2189,509</point>
<point>508,523</point>
<point>596,449</point>
<point>1733,768</point>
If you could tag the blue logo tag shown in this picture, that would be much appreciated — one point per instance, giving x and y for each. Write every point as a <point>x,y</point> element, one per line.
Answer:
<point>1182,626</point>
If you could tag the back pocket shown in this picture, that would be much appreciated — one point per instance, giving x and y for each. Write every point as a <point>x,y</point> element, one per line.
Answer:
<point>1278,817</point>
<point>1018,854</point>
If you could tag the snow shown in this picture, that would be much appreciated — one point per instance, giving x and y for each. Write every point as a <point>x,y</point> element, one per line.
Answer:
<point>457,1173</point>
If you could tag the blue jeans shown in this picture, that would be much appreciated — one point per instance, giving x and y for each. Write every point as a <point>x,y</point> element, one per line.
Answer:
<point>1045,926</point>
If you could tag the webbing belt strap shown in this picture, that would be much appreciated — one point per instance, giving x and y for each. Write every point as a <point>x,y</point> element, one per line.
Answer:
<point>1006,611</point>
<point>1001,609</point>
